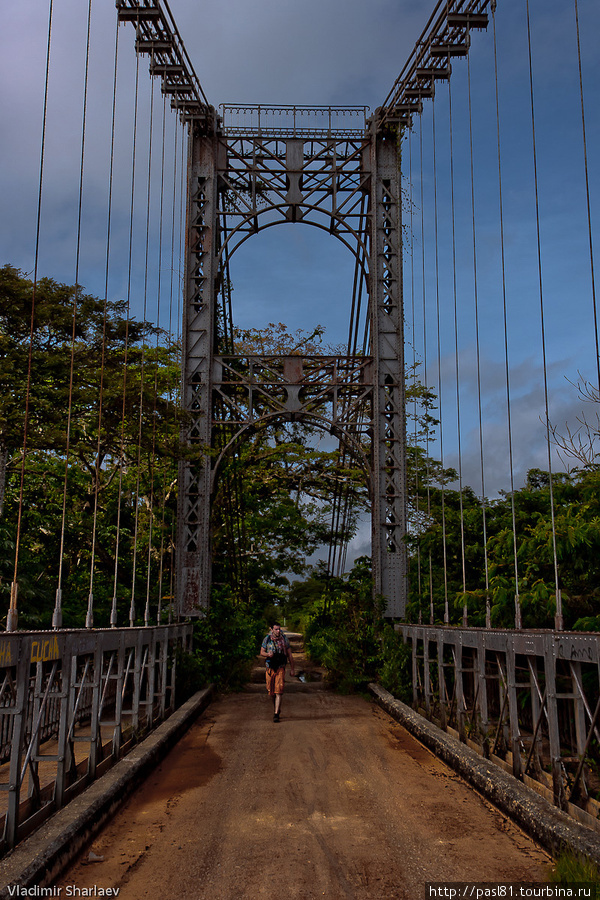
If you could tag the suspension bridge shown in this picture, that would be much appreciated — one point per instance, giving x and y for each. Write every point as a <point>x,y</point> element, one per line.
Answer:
<point>452,403</point>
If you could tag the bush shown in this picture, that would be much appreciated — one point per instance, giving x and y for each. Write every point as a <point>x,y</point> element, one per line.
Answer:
<point>226,642</point>
<point>395,673</point>
<point>190,675</point>
<point>572,868</point>
<point>344,633</point>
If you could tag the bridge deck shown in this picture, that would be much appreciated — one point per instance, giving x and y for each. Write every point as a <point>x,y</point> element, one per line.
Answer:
<point>336,801</point>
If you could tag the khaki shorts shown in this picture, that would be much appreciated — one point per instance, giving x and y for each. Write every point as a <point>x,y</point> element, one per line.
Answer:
<point>275,680</point>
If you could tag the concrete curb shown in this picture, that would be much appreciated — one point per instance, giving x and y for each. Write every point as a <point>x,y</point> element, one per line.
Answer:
<point>39,860</point>
<point>545,823</point>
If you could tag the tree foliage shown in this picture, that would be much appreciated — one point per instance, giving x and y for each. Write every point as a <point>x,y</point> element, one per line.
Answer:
<point>66,356</point>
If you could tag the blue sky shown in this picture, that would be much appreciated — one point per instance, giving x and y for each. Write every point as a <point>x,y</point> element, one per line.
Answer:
<point>338,52</point>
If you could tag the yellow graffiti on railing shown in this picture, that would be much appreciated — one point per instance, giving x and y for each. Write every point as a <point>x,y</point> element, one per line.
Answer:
<point>42,651</point>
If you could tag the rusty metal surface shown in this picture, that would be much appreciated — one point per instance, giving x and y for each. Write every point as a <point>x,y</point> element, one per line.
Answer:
<point>158,37</point>
<point>446,36</point>
<point>100,688</point>
<point>531,698</point>
<point>260,119</point>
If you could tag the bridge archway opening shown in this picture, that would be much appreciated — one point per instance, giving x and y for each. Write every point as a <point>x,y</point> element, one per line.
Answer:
<point>302,277</point>
<point>297,502</point>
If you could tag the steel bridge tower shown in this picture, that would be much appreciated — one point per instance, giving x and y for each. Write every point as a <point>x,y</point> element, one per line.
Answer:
<point>250,168</point>
<point>291,164</point>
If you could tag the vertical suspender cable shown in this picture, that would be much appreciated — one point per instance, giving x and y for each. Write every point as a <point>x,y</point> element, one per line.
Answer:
<point>476,298</point>
<point>341,496</point>
<point>506,362</point>
<point>457,357</point>
<point>427,461</point>
<point>170,404</point>
<point>182,194</point>
<point>414,364</point>
<point>439,363</point>
<point>13,616</point>
<point>587,193</point>
<point>90,610</point>
<point>156,350</point>
<point>143,365</point>
<point>558,616</point>
<point>113,614</point>
<point>75,299</point>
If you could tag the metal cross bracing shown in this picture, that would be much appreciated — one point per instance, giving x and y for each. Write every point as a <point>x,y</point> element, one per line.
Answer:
<point>293,121</point>
<point>530,701</point>
<point>71,704</point>
<point>351,188</point>
<point>531,697</point>
<point>260,165</point>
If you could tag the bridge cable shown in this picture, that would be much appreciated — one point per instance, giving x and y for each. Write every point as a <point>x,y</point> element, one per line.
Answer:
<point>414,365</point>
<point>74,326</point>
<point>12,616</point>
<point>478,354</point>
<point>505,318</point>
<point>340,491</point>
<point>182,218</point>
<point>457,358</point>
<point>143,362</point>
<point>439,366</point>
<point>170,405</point>
<point>558,616</point>
<point>341,503</point>
<point>56,621</point>
<point>156,351</point>
<point>235,520</point>
<point>113,615</point>
<point>587,192</point>
<point>427,459</point>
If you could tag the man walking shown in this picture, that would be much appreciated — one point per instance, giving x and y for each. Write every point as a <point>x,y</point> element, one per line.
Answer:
<point>276,650</point>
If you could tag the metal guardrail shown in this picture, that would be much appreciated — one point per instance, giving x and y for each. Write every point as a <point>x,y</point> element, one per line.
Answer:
<point>293,121</point>
<point>70,704</point>
<point>529,698</point>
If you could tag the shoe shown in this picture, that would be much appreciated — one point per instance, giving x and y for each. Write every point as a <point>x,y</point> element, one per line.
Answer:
<point>276,717</point>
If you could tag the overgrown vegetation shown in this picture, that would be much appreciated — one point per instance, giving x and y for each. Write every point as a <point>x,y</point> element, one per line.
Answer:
<point>98,504</point>
<point>345,631</point>
<point>225,644</point>
<point>572,868</point>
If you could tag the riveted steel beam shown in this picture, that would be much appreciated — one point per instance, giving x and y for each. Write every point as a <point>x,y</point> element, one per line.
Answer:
<point>157,36</point>
<point>446,36</point>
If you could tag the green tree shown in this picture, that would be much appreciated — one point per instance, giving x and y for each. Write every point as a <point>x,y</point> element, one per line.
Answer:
<point>124,459</point>
<point>273,506</point>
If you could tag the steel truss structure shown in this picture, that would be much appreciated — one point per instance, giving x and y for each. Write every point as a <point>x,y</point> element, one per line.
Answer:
<point>71,703</point>
<point>250,168</point>
<point>531,699</point>
<point>348,185</point>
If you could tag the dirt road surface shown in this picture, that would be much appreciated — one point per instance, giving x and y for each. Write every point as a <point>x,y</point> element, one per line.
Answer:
<point>335,801</point>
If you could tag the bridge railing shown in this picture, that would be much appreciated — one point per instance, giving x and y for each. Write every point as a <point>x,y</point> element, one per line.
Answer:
<point>256,119</point>
<point>528,700</point>
<point>71,703</point>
